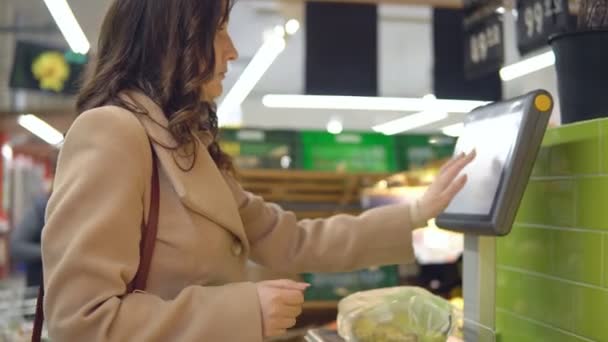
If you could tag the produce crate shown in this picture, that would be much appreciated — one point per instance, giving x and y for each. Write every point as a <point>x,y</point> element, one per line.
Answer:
<point>309,194</point>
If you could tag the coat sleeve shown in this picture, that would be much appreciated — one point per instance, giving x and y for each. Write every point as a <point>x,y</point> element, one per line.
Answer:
<point>341,243</point>
<point>91,249</point>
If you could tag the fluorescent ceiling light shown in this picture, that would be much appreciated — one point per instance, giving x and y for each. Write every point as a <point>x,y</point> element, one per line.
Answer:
<point>334,126</point>
<point>68,25</point>
<point>453,130</point>
<point>7,152</point>
<point>279,31</point>
<point>527,66</point>
<point>292,26</point>
<point>369,103</point>
<point>40,128</point>
<point>254,71</point>
<point>285,161</point>
<point>410,122</point>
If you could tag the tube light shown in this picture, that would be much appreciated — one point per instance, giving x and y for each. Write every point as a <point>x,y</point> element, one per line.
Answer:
<point>368,103</point>
<point>254,71</point>
<point>527,66</point>
<point>40,128</point>
<point>279,31</point>
<point>334,126</point>
<point>7,152</point>
<point>453,130</point>
<point>292,26</point>
<point>410,122</point>
<point>68,25</point>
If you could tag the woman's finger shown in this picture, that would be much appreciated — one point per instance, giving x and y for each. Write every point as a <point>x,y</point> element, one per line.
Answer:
<point>288,284</point>
<point>451,162</point>
<point>292,297</point>
<point>276,332</point>
<point>291,311</point>
<point>453,189</point>
<point>285,323</point>
<point>450,173</point>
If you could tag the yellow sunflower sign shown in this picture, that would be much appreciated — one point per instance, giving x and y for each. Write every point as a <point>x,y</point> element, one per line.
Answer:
<point>51,70</point>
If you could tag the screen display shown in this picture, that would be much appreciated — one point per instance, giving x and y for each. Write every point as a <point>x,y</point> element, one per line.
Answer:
<point>492,132</point>
<point>48,69</point>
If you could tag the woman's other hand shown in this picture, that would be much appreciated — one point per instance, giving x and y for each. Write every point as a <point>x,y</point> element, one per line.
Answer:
<point>281,302</point>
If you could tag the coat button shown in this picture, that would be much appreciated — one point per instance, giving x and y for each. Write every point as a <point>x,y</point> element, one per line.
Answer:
<point>237,248</point>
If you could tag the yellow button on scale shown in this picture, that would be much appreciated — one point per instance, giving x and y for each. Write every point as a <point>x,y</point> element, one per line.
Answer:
<point>543,102</point>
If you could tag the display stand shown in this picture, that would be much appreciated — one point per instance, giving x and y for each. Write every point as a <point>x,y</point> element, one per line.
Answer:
<point>507,136</point>
<point>479,288</point>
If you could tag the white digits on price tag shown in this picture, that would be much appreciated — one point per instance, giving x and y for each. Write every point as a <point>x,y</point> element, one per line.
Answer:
<point>529,19</point>
<point>490,37</point>
<point>559,8</point>
<point>474,49</point>
<point>538,17</point>
<point>496,33</point>
<point>480,43</point>
<point>483,46</point>
<point>548,8</point>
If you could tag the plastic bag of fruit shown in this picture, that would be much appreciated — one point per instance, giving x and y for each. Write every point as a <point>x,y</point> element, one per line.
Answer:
<point>398,314</point>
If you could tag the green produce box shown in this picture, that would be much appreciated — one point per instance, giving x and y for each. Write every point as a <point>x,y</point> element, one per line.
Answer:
<point>349,151</point>
<point>261,149</point>
<point>415,151</point>
<point>335,286</point>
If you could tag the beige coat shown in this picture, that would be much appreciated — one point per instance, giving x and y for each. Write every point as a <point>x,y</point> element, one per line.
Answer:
<point>209,227</point>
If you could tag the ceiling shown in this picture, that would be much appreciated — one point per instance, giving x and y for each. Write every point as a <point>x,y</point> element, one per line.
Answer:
<point>405,55</point>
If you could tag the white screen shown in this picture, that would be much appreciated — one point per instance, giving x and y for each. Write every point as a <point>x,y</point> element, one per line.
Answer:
<point>493,138</point>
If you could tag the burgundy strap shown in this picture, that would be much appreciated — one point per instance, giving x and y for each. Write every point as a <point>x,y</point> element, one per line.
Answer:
<point>148,234</point>
<point>39,319</point>
<point>146,249</point>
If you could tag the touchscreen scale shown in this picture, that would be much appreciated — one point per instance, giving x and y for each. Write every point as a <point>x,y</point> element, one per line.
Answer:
<point>506,137</point>
<point>493,139</point>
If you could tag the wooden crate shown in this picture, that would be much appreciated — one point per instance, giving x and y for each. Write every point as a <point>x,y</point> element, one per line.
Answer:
<point>310,194</point>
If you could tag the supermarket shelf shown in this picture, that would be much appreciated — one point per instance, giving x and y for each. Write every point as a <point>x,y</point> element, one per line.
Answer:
<point>310,194</point>
<point>317,313</point>
<point>320,305</point>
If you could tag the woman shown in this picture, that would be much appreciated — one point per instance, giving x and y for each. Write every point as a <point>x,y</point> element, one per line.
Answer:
<point>161,65</point>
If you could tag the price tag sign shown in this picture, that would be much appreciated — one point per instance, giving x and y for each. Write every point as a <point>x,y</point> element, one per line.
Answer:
<point>484,46</point>
<point>537,20</point>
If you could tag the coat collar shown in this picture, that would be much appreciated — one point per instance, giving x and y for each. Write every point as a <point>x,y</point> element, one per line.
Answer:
<point>202,189</point>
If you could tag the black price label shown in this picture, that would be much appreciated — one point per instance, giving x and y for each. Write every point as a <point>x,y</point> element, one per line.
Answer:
<point>537,20</point>
<point>484,46</point>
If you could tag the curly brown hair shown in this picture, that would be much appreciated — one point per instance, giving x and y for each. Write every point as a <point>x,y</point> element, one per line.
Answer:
<point>165,49</point>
